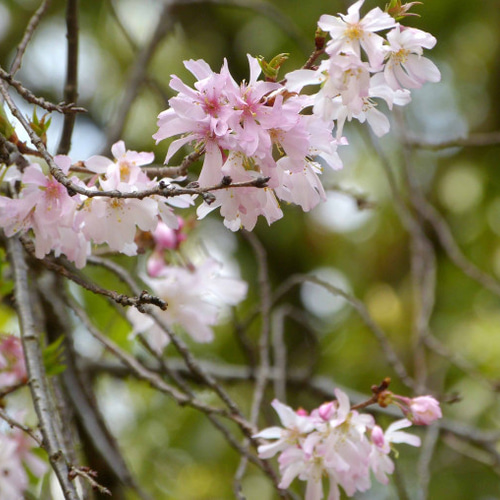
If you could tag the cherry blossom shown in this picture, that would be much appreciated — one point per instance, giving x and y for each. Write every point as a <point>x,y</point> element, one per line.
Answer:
<point>349,33</point>
<point>195,296</point>
<point>405,66</point>
<point>333,441</point>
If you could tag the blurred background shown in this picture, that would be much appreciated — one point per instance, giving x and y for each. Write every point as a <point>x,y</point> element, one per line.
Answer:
<point>356,240</point>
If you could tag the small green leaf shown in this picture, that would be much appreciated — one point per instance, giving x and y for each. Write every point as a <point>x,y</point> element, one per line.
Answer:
<point>40,126</point>
<point>6,128</point>
<point>52,357</point>
<point>271,68</point>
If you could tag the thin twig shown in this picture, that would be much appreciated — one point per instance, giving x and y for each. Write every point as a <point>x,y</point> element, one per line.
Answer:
<point>279,351</point>
<point>450,246</point>
<point>28,430</point>
<point>183,399</point>
<point>399,482</point>
<point>139,302</point>
<point>424,270</point>
<point>423,264</point>
<point>88,475</point>
<point>262,375</point>
<point>28,96</point>
<point>13,388</point>
<point>487,457</point>
<point>361,309</point>
<point>322,386</point>
<point>162,189</point>
<point>473,140</point>
<point>174,172</point>
<point>462,363</point>
<point>196,369</point>
<point>28,34</point>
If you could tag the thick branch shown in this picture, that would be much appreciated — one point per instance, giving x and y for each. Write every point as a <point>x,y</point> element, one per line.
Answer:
<point>37,379</point>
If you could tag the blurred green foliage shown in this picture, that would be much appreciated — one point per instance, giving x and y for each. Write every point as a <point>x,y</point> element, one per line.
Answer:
<point>174,451</point>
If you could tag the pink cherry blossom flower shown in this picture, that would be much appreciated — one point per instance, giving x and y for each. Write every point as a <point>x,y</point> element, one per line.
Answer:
<point>195,296</point>
<point>405,66</point>
<point>349,33</point>
<point>295,428</point>
<point>242,206</point>
<point>114,220</point>
<point>124,168</point>
<point>165,238</point>
<point>380,463</point>
<point>332,441</point>
<point>201,115</point>
<point>43,205</point>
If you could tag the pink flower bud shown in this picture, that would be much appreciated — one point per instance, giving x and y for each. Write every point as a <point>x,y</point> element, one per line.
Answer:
<point>327,410</point>
<point>423,410</point>
<point>378,438</point>
<point>165,237</point>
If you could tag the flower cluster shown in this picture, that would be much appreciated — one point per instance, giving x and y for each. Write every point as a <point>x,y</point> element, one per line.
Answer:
<point>351,83</point>
<point>68,224</point>
<point>256,131</point>
<point>338,442</point>
<point>248,131</point>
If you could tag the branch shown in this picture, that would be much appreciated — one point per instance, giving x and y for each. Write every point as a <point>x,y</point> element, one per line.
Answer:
<point>28,430</point>
<point>28,96</point>
<point>360,308</point>
<point>36,372</point>
<point>174,172</point>
<point>450,246</point>
<point>28,34</point>
<point>162,189</point>
<point>473,140</point>
<point>428,450</point>
<point>197,370</point>
<point>423,263</point>
<point>320,385</point>
<point>88,475</point>
<point>262,375</point>
<point>141,372</point>
<point>143,297</point>
<point>71,86</point>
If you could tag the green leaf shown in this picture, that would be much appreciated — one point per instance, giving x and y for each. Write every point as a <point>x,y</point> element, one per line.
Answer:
<point>271,68</point>
<point>52,357</point>
<point>6,129</point>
